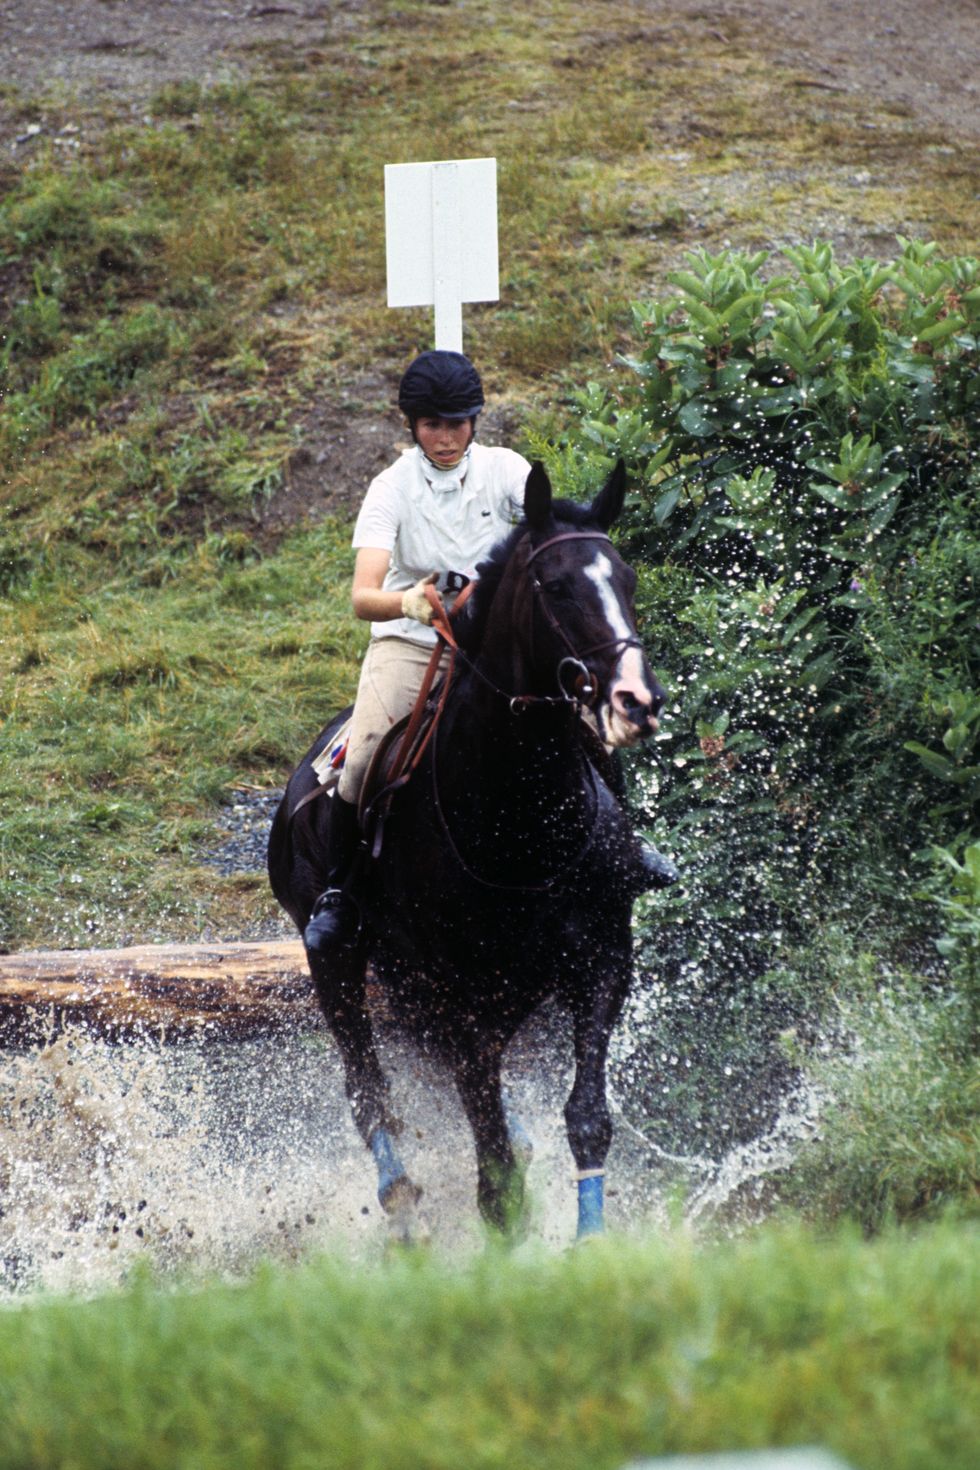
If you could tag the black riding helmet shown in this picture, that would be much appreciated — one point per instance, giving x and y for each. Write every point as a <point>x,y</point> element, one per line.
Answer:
<point>440,385</point>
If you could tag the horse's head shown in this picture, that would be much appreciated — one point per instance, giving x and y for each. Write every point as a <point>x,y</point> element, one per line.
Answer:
<point>584,624</point>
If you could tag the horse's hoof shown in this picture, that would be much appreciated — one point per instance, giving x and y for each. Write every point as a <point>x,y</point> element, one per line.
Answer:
<point>406,1228</point>
<point>521,1144</point>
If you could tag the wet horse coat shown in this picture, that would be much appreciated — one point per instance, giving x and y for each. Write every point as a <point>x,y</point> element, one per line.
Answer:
<point>508,868</point>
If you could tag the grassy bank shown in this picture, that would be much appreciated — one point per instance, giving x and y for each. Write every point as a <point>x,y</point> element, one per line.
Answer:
<point>584,1361</point>
<point>191,290</point>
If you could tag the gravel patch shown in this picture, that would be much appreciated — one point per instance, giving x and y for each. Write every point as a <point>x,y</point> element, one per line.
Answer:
<point>246,821</point>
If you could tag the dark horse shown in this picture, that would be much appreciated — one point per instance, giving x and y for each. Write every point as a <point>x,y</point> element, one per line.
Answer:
<point>508,868</point>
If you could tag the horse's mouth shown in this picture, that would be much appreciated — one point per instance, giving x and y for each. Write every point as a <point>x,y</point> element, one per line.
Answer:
<point>624,728</point>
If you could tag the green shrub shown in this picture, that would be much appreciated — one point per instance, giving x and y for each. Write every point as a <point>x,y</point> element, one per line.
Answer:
<point>955,890</point>
<point>805,453</point>
<point>804,447</point>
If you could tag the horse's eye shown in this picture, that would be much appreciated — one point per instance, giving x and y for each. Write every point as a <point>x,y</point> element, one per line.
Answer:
<point>556,588</point>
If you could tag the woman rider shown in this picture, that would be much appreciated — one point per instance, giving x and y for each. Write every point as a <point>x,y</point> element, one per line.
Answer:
<point>443,504</point>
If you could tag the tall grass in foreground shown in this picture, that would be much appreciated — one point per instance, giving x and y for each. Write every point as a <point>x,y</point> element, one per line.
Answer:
<point>583,1361</point>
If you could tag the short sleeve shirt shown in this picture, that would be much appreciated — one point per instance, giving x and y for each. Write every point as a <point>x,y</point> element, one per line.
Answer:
<point>429,529</point>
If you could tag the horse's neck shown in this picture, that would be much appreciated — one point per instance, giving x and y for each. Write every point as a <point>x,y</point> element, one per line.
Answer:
<point>528,757</point>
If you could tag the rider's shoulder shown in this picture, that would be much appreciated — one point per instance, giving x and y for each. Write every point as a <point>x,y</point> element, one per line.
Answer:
<point>497,460</point>
<point>399,473</point>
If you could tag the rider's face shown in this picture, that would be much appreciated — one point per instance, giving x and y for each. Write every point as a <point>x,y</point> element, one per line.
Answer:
<point>444,441</point>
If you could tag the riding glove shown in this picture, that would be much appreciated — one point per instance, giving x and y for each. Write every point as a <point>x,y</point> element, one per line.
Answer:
<point>415,604</point>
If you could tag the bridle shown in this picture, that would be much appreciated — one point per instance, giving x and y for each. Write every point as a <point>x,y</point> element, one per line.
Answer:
<point>585,691</point>
<point>409,753</point>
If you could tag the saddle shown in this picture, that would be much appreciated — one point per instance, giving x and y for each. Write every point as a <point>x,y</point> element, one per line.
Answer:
<point>392,766</point>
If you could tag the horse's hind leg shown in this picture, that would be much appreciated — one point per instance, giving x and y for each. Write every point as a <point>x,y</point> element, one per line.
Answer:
<point>587,1117</point>
<point>500,1174</point>
<point>340,988</point>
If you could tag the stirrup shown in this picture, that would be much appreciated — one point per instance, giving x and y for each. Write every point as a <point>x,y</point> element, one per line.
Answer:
<point>335,921</point>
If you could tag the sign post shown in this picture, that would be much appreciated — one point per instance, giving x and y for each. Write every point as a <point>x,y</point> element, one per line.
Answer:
<point>441,238</point>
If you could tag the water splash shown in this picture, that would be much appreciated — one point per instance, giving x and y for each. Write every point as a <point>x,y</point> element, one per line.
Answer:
<point>194,1157</point>
<point>203,1157</point>
<point>739,1186</point>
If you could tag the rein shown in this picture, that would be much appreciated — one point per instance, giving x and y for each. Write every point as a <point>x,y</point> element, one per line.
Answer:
<point>407,759</point>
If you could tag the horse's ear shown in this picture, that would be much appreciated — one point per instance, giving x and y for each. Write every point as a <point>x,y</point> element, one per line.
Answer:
<point>609,502</point>
<point>537,497</point>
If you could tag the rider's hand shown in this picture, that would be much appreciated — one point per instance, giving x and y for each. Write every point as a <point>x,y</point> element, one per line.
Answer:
<point>415,604</point>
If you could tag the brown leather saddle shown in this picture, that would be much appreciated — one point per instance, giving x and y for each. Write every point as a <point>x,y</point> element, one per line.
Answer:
<point>392,766</point>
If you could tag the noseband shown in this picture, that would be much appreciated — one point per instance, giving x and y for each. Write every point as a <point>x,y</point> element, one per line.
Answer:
<point>586,691</point>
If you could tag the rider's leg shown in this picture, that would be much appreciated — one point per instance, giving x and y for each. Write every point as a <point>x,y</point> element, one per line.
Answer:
<point>648,865</point>
<point>391,677</point>
<point>335,918</point>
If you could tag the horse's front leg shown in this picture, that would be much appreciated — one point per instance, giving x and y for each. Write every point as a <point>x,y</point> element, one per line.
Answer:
<point>340,988</point>
<point>500,1168</point>
<point>587,1118</point>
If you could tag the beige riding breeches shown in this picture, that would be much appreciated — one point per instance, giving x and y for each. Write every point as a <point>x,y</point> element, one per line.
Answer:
<point>391,677</point>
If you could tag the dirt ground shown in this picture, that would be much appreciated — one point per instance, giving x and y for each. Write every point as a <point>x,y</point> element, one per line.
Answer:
<point>923,60</point>
<point>924,57</point>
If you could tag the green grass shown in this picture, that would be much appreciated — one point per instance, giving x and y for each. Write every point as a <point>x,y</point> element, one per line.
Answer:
<point>614,1351</point>
<point>129,714</point>
<point>900,1132</point>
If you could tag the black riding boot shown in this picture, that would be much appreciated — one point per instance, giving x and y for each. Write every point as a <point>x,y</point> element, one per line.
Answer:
<point>335,918</point>
<point>654,870</point>
<point>650,869</point>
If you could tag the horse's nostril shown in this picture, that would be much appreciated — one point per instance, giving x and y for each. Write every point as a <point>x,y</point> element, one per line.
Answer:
<point>637,711</point>
<point>640,706</point>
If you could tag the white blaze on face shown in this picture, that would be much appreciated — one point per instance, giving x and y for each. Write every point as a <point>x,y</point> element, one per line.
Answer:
<point>629,677</point>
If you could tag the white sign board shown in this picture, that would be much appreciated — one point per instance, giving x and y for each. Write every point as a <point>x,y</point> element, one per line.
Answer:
<point>441,236</point>
<point>792,1459</point>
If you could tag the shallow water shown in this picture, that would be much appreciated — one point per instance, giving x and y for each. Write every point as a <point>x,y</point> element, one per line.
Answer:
<point>202,1157</point>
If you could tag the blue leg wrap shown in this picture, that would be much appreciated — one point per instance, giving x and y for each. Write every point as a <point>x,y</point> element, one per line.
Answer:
<point>390,1166</point>
<point>590,1202</point>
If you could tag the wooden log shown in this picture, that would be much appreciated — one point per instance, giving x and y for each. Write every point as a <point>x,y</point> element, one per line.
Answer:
<point>166,989</point>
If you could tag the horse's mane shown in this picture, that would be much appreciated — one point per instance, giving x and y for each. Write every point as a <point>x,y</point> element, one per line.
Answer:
<point>472,623</point>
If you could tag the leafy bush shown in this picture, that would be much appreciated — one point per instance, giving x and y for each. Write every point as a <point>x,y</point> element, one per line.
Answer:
<point>804,447</point>
<point>955,890</point>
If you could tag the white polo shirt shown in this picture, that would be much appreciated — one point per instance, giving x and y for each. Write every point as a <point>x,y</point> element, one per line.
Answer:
<point>436,521</point>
